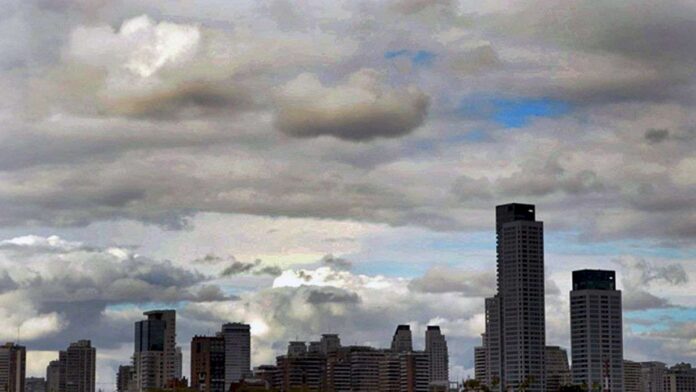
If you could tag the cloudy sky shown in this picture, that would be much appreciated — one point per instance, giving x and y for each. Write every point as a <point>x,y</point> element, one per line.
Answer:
<point>315,166</point>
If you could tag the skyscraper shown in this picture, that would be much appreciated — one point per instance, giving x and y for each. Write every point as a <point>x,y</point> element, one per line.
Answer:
<point>12,367</point>
<point>80,367</point>
<point>156,359</point>
<point>402,340</point>
<point>515,337</point>
<point>124,378</point>
<point>436,348</point>
<point>237,352</point>
<point>208,363</point>
<point>596,335</point>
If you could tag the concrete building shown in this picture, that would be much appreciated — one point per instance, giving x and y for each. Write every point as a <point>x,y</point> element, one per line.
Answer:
<point>557,369</point>
<point>237,352</point>
<point>596,330</point>
<point>515,336</point>
<point>80,361</point>
<point>35,384</point>
<point>157,360</point>
<point>54,382</point>
<point>652,376</point>
<point>208,363</point>
<point>632,376</point>
<point>402,340</point>
<point>438,357</point>
<point>680,378</point>
<point>125,381</point>
<point>12,367</point>
<point>415,372</point>
<point>300,369</point>
<point>480,361</point>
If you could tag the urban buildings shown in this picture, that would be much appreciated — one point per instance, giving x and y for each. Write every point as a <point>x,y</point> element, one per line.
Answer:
<point>436,348</point>
<point>632,376</point>
<point>125,378</point>
<point>55,379</point>
<point>652,376</point>
<point>596,331</point>
<point>156,359</point>
<point>515,336</point>
<point>12,367</point>
<point>79,361</point>
<point>402,340</point>
<point>237,338</point>
<point>208,363</point>
<point>557,369</point>
<point>680,378</point>
<point>35,384</point>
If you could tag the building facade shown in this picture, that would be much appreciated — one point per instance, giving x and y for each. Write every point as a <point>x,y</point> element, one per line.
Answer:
<point>237,338</point>
<point>12,367</point>
<point>402,340</point>
<point>632,376</point>
<point>652,376</point>
<point>208,363</point>
<point>596,331</point>
<point>125,381</point>
<point>515,336</point>
<point>438,357</point>
<point>557,369</point>
<point>54,381</point>
<point>35,384</point>
<point>80,361</point>
<point>156,358</point>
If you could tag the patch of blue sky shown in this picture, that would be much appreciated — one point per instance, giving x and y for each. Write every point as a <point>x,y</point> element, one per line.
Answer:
<point>651,320</point>
<point>145,306</point>
<point>511,112</point>
<point>567,243</point>
<point>418,58</point>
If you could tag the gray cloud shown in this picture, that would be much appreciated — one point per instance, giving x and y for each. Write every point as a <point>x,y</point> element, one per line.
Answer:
<point>332,295</point>
<point>443,279</point>
<point>336,262</point>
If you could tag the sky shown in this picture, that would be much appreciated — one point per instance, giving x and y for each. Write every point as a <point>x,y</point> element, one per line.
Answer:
<point>333,166</point>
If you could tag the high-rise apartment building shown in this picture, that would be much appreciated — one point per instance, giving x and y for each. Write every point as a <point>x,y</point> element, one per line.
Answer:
<point>125,378</point>
<point>632,376</point>
<point>480,364</point>
<point>208,363</point>
<point>157,360</point>
<point>237,352</point>
<point>402,340</point>
<point>300,369</point>
<point>557,369</point>
<point>596,331</point>
<point>12,367</point>
<point>515,336</point>
<point>415,372</point>
<point>680,378</point>
<point>436,348</point>
<point>79,361</point>
<point>54,381</point>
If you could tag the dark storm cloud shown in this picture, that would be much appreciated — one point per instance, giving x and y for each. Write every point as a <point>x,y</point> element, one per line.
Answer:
<point>256,268</point>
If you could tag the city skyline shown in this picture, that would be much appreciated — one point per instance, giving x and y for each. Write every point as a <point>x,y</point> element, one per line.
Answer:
<point>312,167</point>
<point>520,252</point>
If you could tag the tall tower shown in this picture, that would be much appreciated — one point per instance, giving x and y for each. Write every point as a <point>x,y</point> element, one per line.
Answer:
<point>402,340</point>
<point>515,337</point>
<point>596,335</point>
<point>436,348</point>
<point>80,367</point>
<point>157,360</point>
<point>208,363</point>
<point>237,352</point>
<point>12,367</point>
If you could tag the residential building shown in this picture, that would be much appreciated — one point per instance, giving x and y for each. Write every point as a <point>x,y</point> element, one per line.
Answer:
<point>55,379</point>
<point>35,384</point>
<point>80,360</point>
<point>157,360</point>
<point>633,372</point>
<point>125,381</point>
<point>402,340</point>
<point>680,378</point>
<point>652,376</point>
<point>208,363</point>
<point>12,367</point>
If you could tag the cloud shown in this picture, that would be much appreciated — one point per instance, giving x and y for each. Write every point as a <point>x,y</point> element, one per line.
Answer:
<point>443,279</point>
<point>255,267</point>
<point>336,262</point>
<point>639,275</point>
<point>360,109</point>
<point>331,295</point>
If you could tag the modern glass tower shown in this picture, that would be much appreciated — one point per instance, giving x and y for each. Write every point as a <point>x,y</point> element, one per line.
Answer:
<point>515,337</point>
<point>596,335</point>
